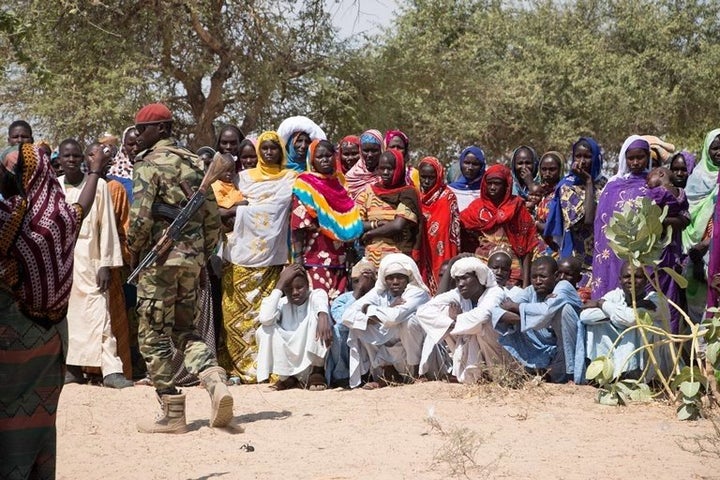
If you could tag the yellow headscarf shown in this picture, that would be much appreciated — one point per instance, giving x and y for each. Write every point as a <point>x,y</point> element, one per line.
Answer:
<point>263,171</point>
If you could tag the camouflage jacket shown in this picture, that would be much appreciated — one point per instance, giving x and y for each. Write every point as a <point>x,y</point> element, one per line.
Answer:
<point>157,175</point>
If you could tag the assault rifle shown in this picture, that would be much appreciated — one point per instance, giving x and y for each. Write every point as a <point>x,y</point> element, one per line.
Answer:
<point>219,165</point>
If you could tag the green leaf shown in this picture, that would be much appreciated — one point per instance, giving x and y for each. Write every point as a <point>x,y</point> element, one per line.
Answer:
<point>607,398</point>
<point>594,369</point>
<point>608,368</point>
<point>711,353</point>
<point>688,412</point>
<point>642,393</point>
<point>690,389</point>
<point>679,279</point>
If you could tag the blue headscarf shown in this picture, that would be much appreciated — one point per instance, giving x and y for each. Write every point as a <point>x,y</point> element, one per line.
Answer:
<point>463,183</point>
<point>518,188</point>
<point>554,226</point>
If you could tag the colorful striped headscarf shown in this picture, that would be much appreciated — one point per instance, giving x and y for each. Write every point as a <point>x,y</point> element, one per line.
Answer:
<point>326,199</point>
<point>359,176</point>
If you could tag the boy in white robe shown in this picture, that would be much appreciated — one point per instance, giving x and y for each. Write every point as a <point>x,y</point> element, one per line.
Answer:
<point>91,342</point>
<point>295,332</point>
<point>606,318</point>
<point>539,324</point>
<point>462,318</point>
<point>385,336</point>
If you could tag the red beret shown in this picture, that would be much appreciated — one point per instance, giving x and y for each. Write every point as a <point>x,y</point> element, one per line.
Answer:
<point>153,113</point>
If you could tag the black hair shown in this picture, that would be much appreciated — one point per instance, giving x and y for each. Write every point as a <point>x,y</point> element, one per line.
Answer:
<point>545,260</point>
<point>70,141</point>
<point>20,123</point>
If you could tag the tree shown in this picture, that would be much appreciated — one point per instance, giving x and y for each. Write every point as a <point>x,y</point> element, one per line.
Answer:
<point>83,67</point>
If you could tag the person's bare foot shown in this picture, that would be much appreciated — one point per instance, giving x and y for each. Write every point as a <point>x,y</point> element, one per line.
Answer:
<point>287,384</point>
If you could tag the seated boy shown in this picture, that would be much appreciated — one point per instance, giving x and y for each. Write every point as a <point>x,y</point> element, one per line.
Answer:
<point>385,336</point>
<point>363,276</point>
<point>605,319</point>
<point>538,325</point>
<point>462,319</point>
<point>295,333</point>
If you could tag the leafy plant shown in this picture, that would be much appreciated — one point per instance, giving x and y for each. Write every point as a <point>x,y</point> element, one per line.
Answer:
<point>636,235</point>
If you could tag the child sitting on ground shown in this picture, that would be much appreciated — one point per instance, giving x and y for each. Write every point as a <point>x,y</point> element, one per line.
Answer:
<point>295,334</point>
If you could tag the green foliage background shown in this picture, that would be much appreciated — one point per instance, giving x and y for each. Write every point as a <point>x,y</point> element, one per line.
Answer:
<point>448,72</point>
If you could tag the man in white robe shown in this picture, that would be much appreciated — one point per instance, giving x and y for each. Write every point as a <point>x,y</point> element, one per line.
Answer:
<point>295,332</point>
<point>91,341</point>
<point>385,336</point>
<point>462,318</point>
<point>607,318</point>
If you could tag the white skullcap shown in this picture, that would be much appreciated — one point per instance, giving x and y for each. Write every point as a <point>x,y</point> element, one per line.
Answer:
<point>466,265</point>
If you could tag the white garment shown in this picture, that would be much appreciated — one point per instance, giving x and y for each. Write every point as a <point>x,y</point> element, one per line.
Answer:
<point>262,228</point>
<point>465,197</point>
<point>91,342</point>
<point>291,125</point>
<point>397,338</point>
<point>472,341</point>
<point>287,343</point>
<point>604,326</point>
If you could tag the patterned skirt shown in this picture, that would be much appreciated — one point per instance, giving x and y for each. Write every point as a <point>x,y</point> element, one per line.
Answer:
<point>32,374</point>
<point>243,290</point>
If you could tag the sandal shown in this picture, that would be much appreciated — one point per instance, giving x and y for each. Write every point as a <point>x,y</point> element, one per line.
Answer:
<point>316,382</point>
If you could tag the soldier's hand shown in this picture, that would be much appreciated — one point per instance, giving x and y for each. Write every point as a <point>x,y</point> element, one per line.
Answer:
<point>103,278</point>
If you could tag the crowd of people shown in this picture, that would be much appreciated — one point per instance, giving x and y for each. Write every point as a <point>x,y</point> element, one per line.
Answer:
<point>316,263</point>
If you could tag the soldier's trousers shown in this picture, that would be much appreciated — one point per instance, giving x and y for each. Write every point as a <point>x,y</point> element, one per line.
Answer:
<point>166,309</point>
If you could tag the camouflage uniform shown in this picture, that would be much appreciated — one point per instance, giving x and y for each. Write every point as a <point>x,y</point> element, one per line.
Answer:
<point>167,291</point>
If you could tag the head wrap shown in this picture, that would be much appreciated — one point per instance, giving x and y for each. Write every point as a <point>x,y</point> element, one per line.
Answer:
<point>463,183</point>
<point>38,230</point>
<point>432,194</point>
<point>289,129</point>
<point>701,191</point>
<point>398,181</point>
<point>631,143</point>
<point>348,140</point>
<point>263,171</point>
<point>371,136</point>
<point>363,266</point>
<point>688,157</point>
<point>121,166</point>
<point>326,200</point>
<point>467,265</point>
<point>519,188</point>
<point>390,134</point>
<point>558,157</point>
<point>153,113</point>
<point>484,215</point>
<point>394,263</point>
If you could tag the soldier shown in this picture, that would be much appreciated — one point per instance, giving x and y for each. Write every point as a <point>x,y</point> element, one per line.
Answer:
<point>167,291</point>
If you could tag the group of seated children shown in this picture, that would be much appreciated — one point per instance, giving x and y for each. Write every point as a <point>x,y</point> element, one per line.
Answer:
<point>389,330</point>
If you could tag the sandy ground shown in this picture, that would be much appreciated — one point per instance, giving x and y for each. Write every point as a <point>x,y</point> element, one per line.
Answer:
<point>427,431</point>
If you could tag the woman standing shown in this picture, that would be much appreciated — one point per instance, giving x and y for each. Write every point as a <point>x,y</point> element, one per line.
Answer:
<point>442,221</point>
<point>323,219</point>
<point>701,191</point>
<point>524,168</point>
<point>569,228</point>
<point>499,217</point>
<point>472,168</point>
<point>349,153</point>
<point>363,173</point>
<point>390,211</point>
<point>296,133</point>
<point>627,185</point>
<point>257,252</point>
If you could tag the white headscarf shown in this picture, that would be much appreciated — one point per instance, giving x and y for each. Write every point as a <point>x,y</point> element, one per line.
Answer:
<point>466,265</point>
<point>398,263</point>
<point>291,125</point>
<point>622,160</point>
